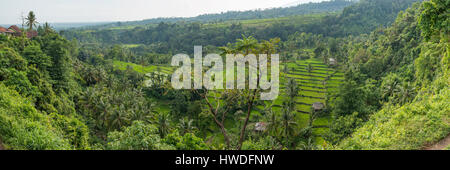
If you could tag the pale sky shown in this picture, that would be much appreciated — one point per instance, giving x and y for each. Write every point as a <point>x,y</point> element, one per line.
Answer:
<point>124,10</point>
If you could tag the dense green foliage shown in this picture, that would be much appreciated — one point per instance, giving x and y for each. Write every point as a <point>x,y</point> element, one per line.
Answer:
<point>380,71</point>
<point>23,127</point>
<point>415,91</point>
<point>362,17</point>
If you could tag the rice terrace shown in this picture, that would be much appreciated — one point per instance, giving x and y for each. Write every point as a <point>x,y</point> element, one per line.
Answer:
<point>317,83</point>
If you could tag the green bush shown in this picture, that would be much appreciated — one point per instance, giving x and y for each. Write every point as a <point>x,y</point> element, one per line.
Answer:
<point>410,126</point>
<point>187,142</point>
<point>138,136</point>
<point>23,127</point>
<point>74,130</point>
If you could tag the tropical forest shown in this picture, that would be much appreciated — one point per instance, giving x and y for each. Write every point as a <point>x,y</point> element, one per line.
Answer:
<point>353,75</point>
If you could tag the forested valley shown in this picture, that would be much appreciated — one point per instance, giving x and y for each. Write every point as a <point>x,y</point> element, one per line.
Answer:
<point>354,75</point>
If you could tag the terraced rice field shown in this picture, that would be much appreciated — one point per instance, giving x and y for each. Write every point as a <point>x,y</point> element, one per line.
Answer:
<point>315,86</point>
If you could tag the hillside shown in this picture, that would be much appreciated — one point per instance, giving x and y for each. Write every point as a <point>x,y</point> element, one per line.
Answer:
<point>423,119</point>
<point>362,17</point>
<point>159,37</point>
<point>301,9</point>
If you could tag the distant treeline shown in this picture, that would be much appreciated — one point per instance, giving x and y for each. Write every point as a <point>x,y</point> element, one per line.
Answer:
<point>359,18</point>
<point>301,9</point>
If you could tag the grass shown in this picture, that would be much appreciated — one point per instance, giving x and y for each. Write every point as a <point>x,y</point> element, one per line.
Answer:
<point>142,69</point>
<point>131,45</point>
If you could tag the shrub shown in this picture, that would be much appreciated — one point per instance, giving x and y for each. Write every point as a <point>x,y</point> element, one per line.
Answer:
<point>23,127</point>
<point>138,136</point>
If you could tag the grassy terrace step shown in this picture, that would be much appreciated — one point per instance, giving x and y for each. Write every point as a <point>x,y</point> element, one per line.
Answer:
<point>320,68</point>
<point>318,62</point>
<point>313,66</point>
<point>302,71</point>
<point>312,97</point>
<point>315,87</point>
<point>304,108</point>
<point>303,103</point>
<point>309,101</point>
<point>313,94</point>
<point>316,84</point>
<point>332,80</point>
<point>143,69</point>
<point>309,93</point>
<point>315,91</point>
<point>318,74</point>
<point>296,78</point>
<point>309,75</point>
<point>331,72</point>
<point>312,89</point>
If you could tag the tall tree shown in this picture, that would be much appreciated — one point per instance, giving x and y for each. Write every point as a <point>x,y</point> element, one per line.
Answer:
<point>292,90</point>
<point>288,121</point>
<point>163,122</point>
<point>47,28</point>
<point>31,20</point>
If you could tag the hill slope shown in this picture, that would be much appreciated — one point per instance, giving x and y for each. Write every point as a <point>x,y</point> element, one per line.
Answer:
<point>163,35</point>
<point>425,57</point>
<point>301,9</point>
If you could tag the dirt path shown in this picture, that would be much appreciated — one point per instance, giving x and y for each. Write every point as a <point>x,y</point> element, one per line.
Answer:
<point>439,145</point>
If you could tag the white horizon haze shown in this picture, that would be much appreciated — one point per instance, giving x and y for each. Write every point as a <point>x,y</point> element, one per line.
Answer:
<point>84,11</point>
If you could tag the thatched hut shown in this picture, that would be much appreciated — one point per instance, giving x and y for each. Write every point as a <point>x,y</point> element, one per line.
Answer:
<point>318,106</point>
<point>332,62</point>
<point>260,126</point>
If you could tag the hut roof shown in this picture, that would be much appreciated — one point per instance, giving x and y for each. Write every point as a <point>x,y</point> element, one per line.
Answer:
<point>15,28</point>
<point>4,30</point>
<point>260,126</point>
<point>332,61</point>
<point>318,106</point>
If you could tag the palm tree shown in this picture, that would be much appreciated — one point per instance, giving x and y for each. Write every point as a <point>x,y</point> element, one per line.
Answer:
<point>163,121</point>
<point>389,89</point>
<point>47,28</point>
<point>269,47</point>
<point>308,145</point>
<point>404,93</point>
<point>247,44</point>
<point>142,111</point>
<point>288,121</point>
<point>309,68</point>
<point>312,116</point>
<point>186,126</point>
<point>88,98</point>
<point>271,119</point>
<point>103,113</point>
<point>292,90</point>
<point>226,50</point>
<point>118,118</point>
<point>285,69</point>
<point>31,20</point>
